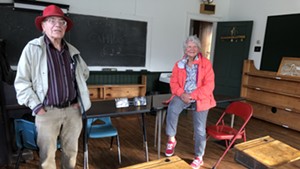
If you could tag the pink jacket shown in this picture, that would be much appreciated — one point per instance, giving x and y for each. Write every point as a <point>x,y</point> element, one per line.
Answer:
<point>205,83</point>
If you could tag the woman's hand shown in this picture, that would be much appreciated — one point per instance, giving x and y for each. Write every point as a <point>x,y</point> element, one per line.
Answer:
<point>186,98</point>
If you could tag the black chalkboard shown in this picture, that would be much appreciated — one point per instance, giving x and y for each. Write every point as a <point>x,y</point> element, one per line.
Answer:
<point>109,42</point>
<point>16,28</point>
<point>281,40</point>
<point>102,41</point>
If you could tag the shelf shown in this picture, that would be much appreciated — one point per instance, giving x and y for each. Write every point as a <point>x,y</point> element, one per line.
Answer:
<point>272,75</point>
<point>275,98</point>
<point>294,110</point>
<point>109,92</point>
<point>272,91</point>
<point>281,117</point>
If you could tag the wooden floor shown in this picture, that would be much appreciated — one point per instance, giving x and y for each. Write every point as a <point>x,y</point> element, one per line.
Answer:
<point>100,157</point>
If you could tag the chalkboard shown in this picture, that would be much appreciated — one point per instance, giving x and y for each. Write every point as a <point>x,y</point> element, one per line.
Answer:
<point>102,41</point>
<point>281,40</point>
<point>108,41</point>
<point>16,28</point>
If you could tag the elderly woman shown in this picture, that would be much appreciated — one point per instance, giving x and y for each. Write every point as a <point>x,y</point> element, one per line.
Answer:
<point>192,84</point>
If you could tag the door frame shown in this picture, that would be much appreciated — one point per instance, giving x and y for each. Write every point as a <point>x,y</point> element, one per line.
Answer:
<point>204,18</point>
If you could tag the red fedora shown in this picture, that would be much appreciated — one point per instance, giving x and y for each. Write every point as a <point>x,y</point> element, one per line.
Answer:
<point>52,10</point>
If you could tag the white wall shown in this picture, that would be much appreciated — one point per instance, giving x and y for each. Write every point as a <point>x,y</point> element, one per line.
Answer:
<point>258,11</point>
<point>167,23</point>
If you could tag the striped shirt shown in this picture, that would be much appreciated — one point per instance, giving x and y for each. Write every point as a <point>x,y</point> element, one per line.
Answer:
<point>61,76</point>
<point>191,78</point>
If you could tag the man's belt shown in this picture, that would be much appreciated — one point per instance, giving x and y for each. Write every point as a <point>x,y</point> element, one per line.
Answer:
<point>65,104</point>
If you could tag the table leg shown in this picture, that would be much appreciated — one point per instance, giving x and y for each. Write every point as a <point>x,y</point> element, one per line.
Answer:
<point>159,114</point>
<point>155,128</point>
<point>145,137</point>
<point>85,144</point>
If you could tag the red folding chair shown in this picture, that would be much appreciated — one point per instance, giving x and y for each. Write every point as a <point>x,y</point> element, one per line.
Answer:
<point>222,130</point>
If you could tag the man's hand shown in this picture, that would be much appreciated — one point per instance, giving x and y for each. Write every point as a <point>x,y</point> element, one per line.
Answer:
<point>41,112</point>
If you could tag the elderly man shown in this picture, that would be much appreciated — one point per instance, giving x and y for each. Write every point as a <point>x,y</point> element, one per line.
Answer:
<point>51,80</point>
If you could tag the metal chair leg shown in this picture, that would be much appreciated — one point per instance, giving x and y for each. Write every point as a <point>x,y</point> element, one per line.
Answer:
<point>155,129</point>
<point>119,149</point>
<point>111,142</point>
<point>18,159</point>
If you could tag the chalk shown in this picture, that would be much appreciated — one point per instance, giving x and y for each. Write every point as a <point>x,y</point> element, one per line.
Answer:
<point>109,69</point>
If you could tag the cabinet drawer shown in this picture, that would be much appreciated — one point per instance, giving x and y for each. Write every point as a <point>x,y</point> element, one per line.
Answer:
<point>281,117</point>
<point>94,93</point>
<point>273,99</point>
<point>123,91</point>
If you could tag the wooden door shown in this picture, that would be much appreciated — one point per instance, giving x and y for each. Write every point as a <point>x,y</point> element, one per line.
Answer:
<point>231,49</point>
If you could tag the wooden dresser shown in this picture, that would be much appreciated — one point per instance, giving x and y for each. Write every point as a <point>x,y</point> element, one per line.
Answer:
<point>108,92</point>
<point>274,98</point>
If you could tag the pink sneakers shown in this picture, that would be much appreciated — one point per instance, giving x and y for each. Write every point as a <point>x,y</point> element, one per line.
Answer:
<point>196,164</point>
<point>170,148</point>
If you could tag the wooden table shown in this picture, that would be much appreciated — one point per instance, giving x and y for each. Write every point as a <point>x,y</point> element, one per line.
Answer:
<point>265,152</point>
<point>108,108</point>
<point>173,162</point>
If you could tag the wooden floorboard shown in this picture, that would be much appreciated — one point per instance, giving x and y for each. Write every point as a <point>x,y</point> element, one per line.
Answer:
<point>132,149</point>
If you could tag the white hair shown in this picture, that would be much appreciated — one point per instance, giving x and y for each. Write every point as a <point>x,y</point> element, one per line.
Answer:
<point>194,39</point>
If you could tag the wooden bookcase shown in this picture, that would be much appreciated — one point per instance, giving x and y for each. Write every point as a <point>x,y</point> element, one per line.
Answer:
<point>274,98</point>
<point>108,92</point>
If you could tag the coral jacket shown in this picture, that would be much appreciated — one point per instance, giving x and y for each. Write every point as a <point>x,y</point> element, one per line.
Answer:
<point>205,83</point>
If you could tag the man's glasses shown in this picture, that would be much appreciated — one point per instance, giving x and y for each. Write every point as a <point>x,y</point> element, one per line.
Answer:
<point>53,21</point>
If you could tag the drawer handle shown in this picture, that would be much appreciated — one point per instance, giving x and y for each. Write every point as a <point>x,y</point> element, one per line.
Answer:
<point>285,126</point>
<point>278,78</point>
<point>257,88</point>
<point>287,109</point>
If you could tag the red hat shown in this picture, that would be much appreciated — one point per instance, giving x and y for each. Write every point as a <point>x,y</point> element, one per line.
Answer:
<point>52,10</point>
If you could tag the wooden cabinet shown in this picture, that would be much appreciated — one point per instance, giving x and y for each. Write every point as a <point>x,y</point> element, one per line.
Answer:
<point>274,98</point>
<point>108,92</point>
